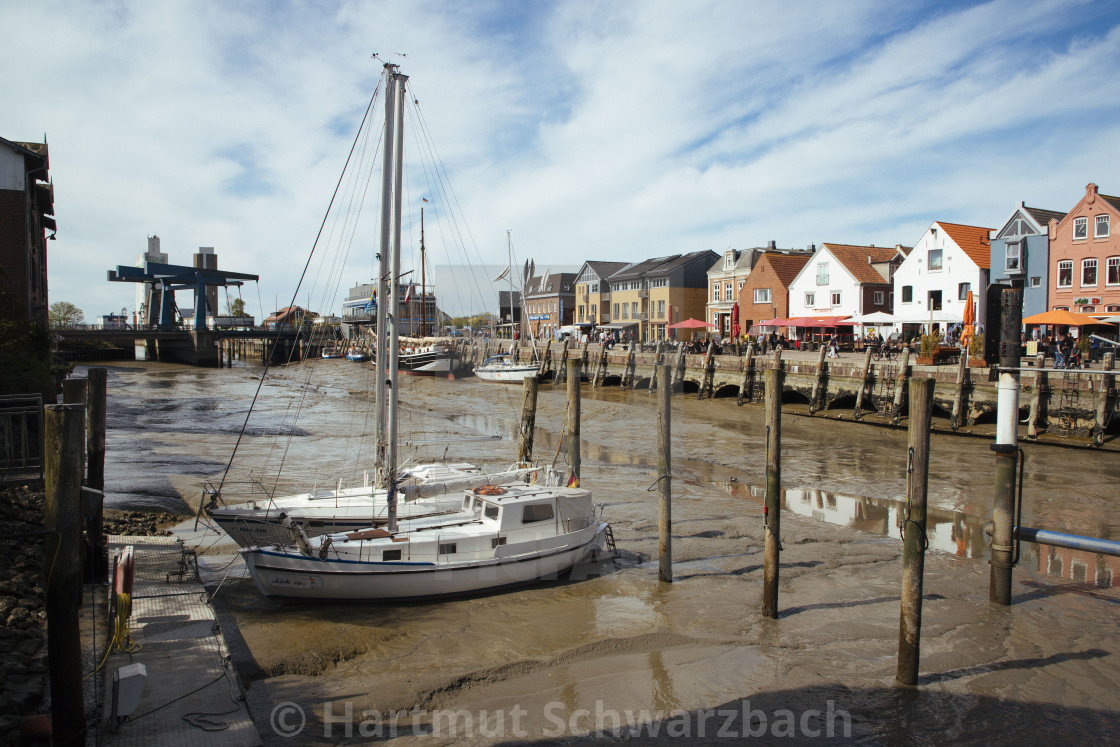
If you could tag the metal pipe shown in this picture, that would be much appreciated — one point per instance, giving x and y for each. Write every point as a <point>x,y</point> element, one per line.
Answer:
<point>1072,541</point>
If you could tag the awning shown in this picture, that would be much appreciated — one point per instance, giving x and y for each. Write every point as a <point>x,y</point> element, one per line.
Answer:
<point>807,322</point>
<point>617,325</point>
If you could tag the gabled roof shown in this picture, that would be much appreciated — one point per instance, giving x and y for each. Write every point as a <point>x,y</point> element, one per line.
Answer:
<point>1114,201</point>
<point>1042,217</point>
<point>786,266</point>
<point>861,260</point>
<point>603,269</point>
<point>658,265</point>
<point>745,259</point>
<point>973,240</point>
<point>558,283</point>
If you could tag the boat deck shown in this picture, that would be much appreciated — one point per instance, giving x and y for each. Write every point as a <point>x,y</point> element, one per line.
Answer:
<point>191,696</point>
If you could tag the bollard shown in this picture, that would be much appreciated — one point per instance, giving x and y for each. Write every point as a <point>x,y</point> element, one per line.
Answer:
<point>62,453</point>
<point>1006,447</point>
<point>528,421</point>
<point>664,477</point>
<point>772,510</point>
<point>913,530</point>
<point>573,422</point>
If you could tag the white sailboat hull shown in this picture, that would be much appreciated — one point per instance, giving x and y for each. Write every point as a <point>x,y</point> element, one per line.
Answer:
<point>294,576</point>
<point>506,374</point>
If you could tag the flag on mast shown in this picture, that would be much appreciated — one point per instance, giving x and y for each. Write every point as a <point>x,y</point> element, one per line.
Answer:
<point>408,293</point>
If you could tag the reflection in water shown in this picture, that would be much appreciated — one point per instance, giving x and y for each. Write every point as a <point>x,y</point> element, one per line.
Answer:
<point>1080,566</point>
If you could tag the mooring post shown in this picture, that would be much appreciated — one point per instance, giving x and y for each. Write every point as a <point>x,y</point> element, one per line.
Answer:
<point>528,421</point>
<point>1040,383</point>
<point>627,380</point>
<point>98,564</point>
<point>913,530</point>
<point>772,510</point>
<point>545,357</point>
<point>562,369</point>
<point>573,422</point>
<point>706,383</point>
<point>1006,447</point>
<point>664,476</point>
<point>748,376</point>
<point>656,366</point>
<point>962,386</point>
<point>75,392</point>
<point>1107,381</point>
<point>863,383</point>
<point>678,367</point>
<point>814,404</point>
<point>900,386</point>
<point>63,442</point>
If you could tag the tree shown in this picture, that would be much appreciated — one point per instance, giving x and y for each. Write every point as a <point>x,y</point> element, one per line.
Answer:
<point>65,314</point>
<point>237,307</point>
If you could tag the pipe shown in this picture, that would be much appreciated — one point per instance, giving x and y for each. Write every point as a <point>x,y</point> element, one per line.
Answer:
<point>1072,541</point>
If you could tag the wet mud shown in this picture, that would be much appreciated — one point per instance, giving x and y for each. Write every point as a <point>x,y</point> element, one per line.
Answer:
<point>613,653</point>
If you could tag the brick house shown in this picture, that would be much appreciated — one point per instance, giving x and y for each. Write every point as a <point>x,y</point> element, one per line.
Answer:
<point>765,294</point>
<point>1085,256</point>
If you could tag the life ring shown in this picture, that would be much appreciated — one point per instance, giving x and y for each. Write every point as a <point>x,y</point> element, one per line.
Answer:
<point>489,490</point>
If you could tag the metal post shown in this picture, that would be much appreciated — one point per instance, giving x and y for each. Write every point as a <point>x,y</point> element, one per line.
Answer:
<point>528,421</point>
<point>63,483</point>
<point>914,530</point>
<point>772,510</point>
<point>573,422</point>
<point>1006,447</point>
<point>664,476</point>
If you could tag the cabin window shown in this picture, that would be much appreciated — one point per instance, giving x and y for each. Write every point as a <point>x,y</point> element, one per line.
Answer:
<point>497,541</point>
<point>466,503</point>
<point>391,555</point>
<point>446,548</point>
<point>535,512</point>
<point>491,511</point>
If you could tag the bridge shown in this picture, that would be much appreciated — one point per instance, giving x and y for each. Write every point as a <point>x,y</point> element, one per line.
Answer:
<point>211,347</point>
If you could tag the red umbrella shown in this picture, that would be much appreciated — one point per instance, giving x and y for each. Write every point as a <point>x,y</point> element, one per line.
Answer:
<point>690,323</point>
<point>735,320</point>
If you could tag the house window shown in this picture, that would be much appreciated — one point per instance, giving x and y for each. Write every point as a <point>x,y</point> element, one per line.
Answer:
<point>581,313</point>
<point>907,294</point>
<point>1065,273</point>
<point>616,311</point>
<point>1102,227</point>
<point>1036,281</point>
<point>625,311</point>
<point>1088,309</point>
<point>594,287</point>
<point>447,548</point>
<point>935,300</point>
<point>535,512</point>
<point>934,262</point>
<point>594,311</point>
<point>879,298</point>
<point>728,260</point>
<point>1080,228</point>
<point>822,273</point>
<point>715,292</point>
<point>1112,309</point>
<point>1012,264</point>
<point>1113,277</point>
<point>762,295</point>
<point>1089,271</point>
<point>727,290</point>
<point>741,284</point>
<point>660,309</point>
<point>962,291</point>
<point>810,299</point>
<point>634,310</point>
<point>835,298</point>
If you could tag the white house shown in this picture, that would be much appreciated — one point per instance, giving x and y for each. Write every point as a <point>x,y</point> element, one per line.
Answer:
<point>845,280</point>
<point>933,282</point>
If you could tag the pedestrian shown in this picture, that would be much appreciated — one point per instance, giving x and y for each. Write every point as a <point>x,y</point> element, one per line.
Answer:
<point>833,352</point>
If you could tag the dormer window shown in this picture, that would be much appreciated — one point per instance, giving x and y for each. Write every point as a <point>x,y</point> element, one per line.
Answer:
<point>822,273</point>
<point>1102,227</point>
<point>1080,228</point>
<point>728,260</point>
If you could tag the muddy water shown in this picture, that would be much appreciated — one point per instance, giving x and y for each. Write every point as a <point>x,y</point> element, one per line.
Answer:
<point>617,641</point>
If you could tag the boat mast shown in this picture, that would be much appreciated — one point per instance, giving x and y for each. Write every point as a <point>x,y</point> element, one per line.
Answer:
<point>381,350</point>
<point>394,294</point>
<point>423,280</point>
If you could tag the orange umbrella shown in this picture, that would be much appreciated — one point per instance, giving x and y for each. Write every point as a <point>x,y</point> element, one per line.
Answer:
<point>1067,318</point>
<point>967,323</point>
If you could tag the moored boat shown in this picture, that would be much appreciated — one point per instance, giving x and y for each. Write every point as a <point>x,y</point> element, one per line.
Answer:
<point>502,370</point>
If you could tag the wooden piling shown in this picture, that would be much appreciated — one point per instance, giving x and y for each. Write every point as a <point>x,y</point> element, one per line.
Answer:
<point>678,367</point>
<point>1040,384</point>
<point>583,354</point>
<point>1107,381</point>
<point>745,388</point>
<point>772,510</point>
<point>96,393</point>
<point>601,366</point>
<point>573,422</point>
<point>63,446</point>
<point>628,373</point>
<point>664,476</point>
<point>863,383</point>
<point>562,369</point>
<point>955,419</point>
<point>528,420</point>
<point>814,403</point>
<point>914,531</point>
<point>706,378</point>
<point>75,392</point>
<point>656,366</point>
<point>900,386</point>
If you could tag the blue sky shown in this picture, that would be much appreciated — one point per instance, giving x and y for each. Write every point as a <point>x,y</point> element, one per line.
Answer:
<point>593,130</point>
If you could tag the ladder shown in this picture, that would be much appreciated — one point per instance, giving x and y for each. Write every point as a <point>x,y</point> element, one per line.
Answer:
<point>885,378</point>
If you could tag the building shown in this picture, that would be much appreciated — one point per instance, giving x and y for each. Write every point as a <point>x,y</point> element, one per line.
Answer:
<point>648,296</point>
<point>1020,255</point>
<point>149,296</point>
<point>509,313</point>
<point>725,279</point>
<point>765,294</point>
<point>845,280</point>
<point>593,292</point>
<point>26,215</point>
<point>289,317</point>
<point>206,259</point>
<point>1084,261</point>
<point>932,284</point>
<point>550,303</point>
<point>417,313</point>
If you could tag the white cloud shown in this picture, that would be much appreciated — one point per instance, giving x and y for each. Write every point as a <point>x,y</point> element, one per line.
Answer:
<point>595,130</point>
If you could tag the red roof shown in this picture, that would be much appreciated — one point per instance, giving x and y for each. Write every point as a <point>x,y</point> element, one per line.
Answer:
<point>973,240</point>
<point>860,260</point>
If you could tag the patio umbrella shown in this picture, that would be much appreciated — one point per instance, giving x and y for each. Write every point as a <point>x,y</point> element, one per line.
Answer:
<point>967,324</point>
<point>690,323</point>
<point>1066,318</point>
<point>735,320</point>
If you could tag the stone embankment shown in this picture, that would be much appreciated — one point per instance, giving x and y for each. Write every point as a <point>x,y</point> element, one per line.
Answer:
<point>23,637</point>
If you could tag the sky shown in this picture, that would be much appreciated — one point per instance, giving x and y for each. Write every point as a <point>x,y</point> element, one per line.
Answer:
<point>554,131</point>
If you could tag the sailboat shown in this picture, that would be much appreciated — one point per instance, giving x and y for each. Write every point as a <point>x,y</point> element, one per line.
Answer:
<point>501,368</point>
<point>500,536</point>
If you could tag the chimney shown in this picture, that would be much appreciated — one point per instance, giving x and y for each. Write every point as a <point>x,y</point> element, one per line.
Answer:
<point>812,248</point>
<point>771,244</point>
